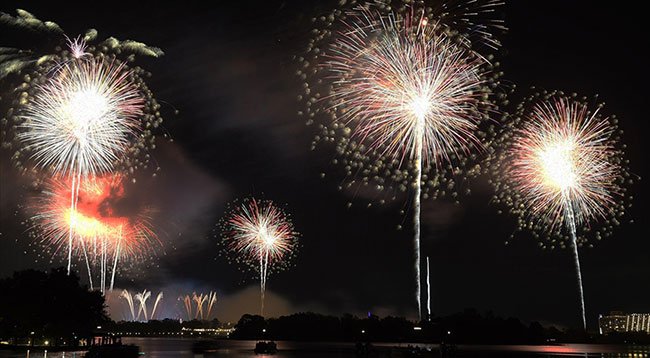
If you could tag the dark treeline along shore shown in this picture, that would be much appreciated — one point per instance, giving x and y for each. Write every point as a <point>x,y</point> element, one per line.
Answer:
<point>467,327</point>
<point>37,306</point>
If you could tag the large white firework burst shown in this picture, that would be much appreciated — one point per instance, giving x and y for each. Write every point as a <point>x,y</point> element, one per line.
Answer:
<point>82,119</point>
<point>404,87</point>
<point>563,157</point>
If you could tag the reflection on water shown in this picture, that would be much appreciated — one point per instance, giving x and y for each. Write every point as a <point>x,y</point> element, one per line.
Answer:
<point>182,348</point>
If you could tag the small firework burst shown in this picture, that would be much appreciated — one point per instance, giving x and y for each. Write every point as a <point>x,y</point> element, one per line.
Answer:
<point>77,47</point>
<point>260,236</point>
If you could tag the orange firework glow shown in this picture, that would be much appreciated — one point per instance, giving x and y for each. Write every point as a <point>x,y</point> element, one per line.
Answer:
<point>103,236</point>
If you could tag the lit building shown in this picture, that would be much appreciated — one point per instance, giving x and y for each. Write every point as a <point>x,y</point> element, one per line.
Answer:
<point>620,322</point>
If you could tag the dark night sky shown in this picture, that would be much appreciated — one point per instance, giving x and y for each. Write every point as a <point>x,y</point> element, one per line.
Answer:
<point>228,69</point>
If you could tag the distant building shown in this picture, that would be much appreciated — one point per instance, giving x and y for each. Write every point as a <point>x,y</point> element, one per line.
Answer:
<point>620,322</point>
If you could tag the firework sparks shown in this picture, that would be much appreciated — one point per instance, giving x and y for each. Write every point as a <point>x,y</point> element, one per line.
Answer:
<point>261,236</point>
<point>199,306</point>
<point>77,47</point>
<point>562,170</point>
<point>407,89</point>
<point>81,120</point>
<point>140,299</point>
<point>407,99</point>
<point>102,237</point>
<point>81,111</point>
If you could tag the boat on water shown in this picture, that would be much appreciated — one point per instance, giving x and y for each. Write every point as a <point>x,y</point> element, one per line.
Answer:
<point>265,347</point>
<point>205,346</point>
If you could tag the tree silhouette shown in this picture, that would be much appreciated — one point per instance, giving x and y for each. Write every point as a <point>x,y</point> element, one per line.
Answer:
<point>54,306</point>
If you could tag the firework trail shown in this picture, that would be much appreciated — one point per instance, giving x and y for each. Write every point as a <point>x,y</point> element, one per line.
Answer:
<point>199,300</point>
<point>187,302</point>
<point>561,169</point>
<point>129,300</point>
<point>155,305</point>
<point>211,300</point>
<point>406,95</point>
<point>203,304</point>
<point>142,298</point>
<point>428,292</point>
<point>106,238</point>
<point>260,236</point>
<point>81,111</point>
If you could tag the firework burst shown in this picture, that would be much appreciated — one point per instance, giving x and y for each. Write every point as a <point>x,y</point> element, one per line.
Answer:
<point>102,237</point>
<point>406,99</point>
<point>260,236</point>
<point>80,121</point>
<point>561,171</point>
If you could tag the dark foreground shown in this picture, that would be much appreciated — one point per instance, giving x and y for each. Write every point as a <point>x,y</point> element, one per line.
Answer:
<point>182,347</point>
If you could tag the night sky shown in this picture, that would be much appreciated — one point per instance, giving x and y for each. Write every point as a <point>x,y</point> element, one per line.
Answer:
<point>229,71</point>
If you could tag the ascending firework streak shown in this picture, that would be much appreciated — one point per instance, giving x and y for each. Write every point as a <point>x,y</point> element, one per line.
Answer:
<point>260,235</point>
<point>409,92</point>
<point>428,292</point>
<point>203,304</point>
<point>562,169</point>
<point>141,299</point>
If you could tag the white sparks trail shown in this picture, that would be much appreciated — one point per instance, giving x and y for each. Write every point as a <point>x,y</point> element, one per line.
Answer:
<point>155,305</point>
<point>574,244</point>
<point>129,300</point>
<point>141,299</point>
<point>428,292</point>
<point>117,255</point>
<point>416,219</point>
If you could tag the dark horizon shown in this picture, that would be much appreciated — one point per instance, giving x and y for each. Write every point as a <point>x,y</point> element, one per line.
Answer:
<point>229,71</point>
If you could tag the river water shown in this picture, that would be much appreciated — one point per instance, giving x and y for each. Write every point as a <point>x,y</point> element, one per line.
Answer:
<point>182,348</point>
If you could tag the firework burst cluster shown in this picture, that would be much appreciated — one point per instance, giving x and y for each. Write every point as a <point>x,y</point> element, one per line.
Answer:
<point>406,95</point>
<point>409,97</point>
<point>81,122</point>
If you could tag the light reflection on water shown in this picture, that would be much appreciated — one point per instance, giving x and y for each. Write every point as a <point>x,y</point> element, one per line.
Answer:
<point>182,348</point>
